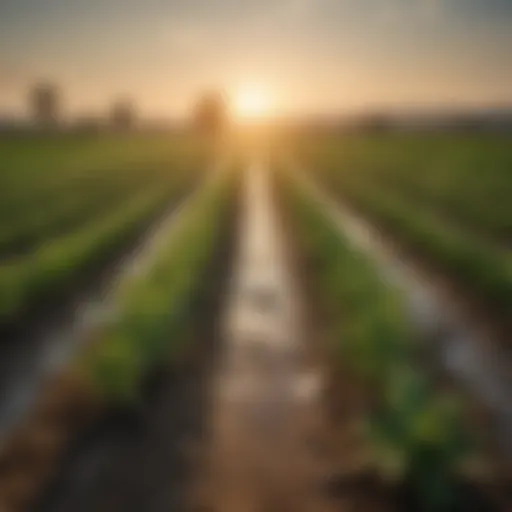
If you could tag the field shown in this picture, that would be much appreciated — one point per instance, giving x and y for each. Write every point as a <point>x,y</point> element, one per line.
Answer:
<point>67,206</point>
<point>445,197</point>
<point>249,334</point>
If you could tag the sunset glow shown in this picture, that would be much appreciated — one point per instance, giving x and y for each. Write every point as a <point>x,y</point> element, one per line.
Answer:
<point>253,103</point>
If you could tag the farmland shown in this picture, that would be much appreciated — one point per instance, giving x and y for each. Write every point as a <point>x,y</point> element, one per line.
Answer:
<point>445,197</point>
<point>68,205</point>
<point>416,437</point>
<point>256,348</point>
<point>73,206</point>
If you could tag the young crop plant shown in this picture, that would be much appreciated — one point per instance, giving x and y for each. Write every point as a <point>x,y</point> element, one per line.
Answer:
<point>69,206</point>
<point>369,319</point>
<point>486,270</point>
<point>414,431</point>
<point>48,273</point>
<point>431,194</point>
<point>155,314</point>
<point>419,440</point>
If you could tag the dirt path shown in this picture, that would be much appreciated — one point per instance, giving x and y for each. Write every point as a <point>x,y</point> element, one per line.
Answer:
<point>138,461</point>
<point>265,400</point>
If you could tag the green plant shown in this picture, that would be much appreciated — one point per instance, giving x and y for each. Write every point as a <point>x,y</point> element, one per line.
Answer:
<point>445,197</point>
<point>416,434</point>
<point>155,310</point>
<point>418,438</point>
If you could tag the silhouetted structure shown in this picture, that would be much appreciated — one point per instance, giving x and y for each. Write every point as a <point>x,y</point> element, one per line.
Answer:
<point>46,104</point>
<point>211,113</point>
<point>123,115</point>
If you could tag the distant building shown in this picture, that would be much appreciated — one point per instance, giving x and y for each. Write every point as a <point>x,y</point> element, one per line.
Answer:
<point>123,115</point>
<point>46,105</point>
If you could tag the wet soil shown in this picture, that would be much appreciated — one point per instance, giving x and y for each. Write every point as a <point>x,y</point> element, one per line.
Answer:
<point>350,478</point>
<point>260,417</point>
<point>458,344</point>
<point>45,339</point>
<point>266,450</point>
<point>142,459</point>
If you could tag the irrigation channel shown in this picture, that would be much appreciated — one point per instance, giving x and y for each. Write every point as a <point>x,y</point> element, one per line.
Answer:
<point>137,458</point>
<point>266,390</point>
<point>48,347</point>
<point>462,347</point>
<point>241,425</point>
<point>237,428</point>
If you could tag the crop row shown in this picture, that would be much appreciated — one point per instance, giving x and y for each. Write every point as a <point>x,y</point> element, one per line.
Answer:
<point>58,266</point>
<point>73,209</point>
<point>465,178</point>
<point>48,203</point>
<point>155,315</point>
<point>414,432</point>
<point>484,269</point>
<point>157,311</point>
<point>42,167</point>
<point>481,267</point>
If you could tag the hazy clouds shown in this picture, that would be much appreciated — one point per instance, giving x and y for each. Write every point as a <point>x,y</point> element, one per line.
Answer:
<point>314,53</point>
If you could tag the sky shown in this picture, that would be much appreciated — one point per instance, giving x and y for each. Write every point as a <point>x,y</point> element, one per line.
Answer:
<point>314,56</point>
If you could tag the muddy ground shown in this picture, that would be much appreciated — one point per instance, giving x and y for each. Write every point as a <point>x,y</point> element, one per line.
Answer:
<point>267,448</point>
<point>44,339</point>
<point>254,420</point>
<point>143,459</point>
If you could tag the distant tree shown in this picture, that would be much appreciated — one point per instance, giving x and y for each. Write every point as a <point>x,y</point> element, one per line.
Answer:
<point>123,114</point>
<point>45,104</point>
<point>211,113</point>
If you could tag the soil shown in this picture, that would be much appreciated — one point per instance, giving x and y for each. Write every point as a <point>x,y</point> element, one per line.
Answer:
<point>192,447</point>
<point>353,483</point>
<point>266,450</point>
<point>495,323</point>
<point>41,337</point>
<point>141,460</point>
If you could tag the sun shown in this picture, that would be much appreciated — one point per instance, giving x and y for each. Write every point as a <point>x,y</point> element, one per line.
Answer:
<point>253,103</point>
